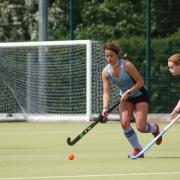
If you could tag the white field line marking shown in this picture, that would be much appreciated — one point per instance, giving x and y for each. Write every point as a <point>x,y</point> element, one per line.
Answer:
<point>91,175</point>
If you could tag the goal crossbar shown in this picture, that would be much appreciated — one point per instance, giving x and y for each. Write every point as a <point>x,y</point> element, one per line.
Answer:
<point>43,43</point>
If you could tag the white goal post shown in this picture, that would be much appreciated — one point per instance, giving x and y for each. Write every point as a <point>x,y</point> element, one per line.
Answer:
<point>51,80</point>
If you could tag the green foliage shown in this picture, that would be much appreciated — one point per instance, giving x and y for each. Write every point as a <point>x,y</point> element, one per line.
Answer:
<point>102,20</point>
<point>165,17</point>
<point>17,22</point>
<point>110,20</point>
<point>107,20</point>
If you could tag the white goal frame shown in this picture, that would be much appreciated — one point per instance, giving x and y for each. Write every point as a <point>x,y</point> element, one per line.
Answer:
<point>57,117</point>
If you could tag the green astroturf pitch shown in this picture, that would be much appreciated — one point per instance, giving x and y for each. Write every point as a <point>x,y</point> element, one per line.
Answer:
<point>39,151</point>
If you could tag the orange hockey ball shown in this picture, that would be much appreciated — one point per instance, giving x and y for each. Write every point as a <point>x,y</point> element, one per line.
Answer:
<point>71,156</point>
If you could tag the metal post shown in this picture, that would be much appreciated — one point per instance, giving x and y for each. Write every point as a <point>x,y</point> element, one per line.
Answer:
<point>71,36</point>
<point>148,45</point>
<point>30,78</point>
<point>43,51</point>
<point>43,22</point>
<point>71,19</point>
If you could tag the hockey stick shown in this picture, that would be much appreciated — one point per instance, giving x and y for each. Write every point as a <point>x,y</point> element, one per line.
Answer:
<point>155,139</point>
<point>83,133</point>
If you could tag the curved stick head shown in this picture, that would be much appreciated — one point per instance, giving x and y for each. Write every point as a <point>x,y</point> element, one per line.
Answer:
<point>69,142</point>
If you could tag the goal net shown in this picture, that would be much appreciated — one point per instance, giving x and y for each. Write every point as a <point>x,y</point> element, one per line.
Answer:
<point>51,81</point>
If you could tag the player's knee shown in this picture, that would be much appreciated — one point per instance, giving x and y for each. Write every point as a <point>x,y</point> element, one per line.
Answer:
<point>141,129</point>
<point>125,123</point>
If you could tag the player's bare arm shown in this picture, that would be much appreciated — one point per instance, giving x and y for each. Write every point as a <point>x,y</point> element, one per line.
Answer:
<point>106,92</point>
<point>131,69</point>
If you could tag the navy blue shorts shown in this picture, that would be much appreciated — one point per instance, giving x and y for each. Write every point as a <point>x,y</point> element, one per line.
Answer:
<point>144,97</point>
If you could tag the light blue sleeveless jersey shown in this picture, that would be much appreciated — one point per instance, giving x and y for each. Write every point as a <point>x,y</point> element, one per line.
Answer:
<point>124,80</point>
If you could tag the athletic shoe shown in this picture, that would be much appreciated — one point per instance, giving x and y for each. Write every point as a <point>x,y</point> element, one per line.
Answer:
<point>136,151</point>
<point>159,141</point>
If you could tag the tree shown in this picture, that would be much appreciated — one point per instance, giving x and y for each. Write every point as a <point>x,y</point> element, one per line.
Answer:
<point>103,20</point>
<point>165,17</point>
